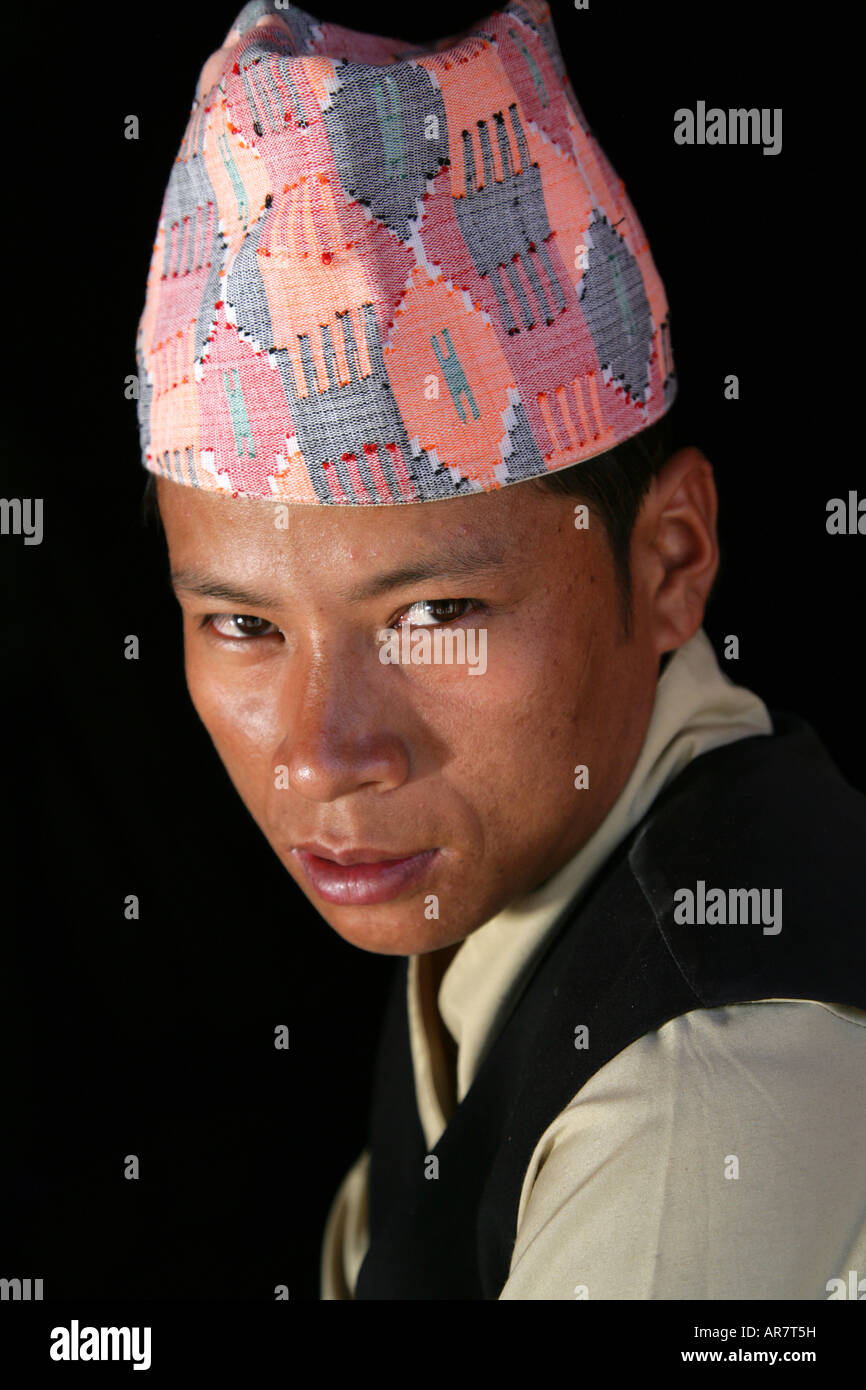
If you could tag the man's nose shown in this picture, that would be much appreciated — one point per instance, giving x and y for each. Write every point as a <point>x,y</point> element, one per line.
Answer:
<point>339,726</point>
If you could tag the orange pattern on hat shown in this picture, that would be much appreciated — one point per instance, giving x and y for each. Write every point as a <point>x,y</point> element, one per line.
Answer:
<point>465,427</point>
<point>477,83</point>
<point>176,397</point>
<point>311,275</point>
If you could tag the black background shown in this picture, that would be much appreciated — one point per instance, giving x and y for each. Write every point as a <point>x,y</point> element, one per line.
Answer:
<point>155,1037</point>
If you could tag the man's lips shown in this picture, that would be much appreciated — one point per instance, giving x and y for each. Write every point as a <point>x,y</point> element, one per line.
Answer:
<point>355,854</point>
<point>361,875</point>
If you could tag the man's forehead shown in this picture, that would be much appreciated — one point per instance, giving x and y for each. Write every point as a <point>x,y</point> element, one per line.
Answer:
<point>490,527</point>
<point>241,549</point>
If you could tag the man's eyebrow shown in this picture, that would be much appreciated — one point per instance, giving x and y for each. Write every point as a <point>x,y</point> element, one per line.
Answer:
<point>453,560</point>
<point>194,582</point>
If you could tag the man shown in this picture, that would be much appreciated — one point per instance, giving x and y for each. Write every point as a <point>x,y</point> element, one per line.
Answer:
<point>406,376</point>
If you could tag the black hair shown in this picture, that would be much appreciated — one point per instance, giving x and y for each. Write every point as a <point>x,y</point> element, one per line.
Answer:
<point>150,504</point>
<point>613,486</point>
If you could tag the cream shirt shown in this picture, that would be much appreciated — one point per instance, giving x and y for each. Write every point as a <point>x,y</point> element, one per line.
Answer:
<point>631,1192</point>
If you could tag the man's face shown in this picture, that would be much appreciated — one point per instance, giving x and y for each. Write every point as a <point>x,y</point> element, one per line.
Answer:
<point>467,776</point>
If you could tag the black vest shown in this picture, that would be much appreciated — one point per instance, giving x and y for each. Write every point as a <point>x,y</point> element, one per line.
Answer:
<point>765,812</point>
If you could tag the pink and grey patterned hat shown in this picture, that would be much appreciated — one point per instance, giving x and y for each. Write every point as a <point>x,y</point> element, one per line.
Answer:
<point>388,274</point>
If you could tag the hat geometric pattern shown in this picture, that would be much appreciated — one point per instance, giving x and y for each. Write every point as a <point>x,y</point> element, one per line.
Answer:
<point>386,274</point>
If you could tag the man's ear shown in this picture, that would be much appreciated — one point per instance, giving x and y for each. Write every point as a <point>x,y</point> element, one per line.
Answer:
<point>675,549</point>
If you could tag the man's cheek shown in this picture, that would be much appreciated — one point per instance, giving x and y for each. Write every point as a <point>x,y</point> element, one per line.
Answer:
<point>231,711</point>
<point>210,705</point>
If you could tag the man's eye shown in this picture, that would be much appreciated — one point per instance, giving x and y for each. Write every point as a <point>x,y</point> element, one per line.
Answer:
<point>238,626</point>
<point>447,609</point>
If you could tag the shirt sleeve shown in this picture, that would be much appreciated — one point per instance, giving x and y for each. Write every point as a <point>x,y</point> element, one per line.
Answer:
<point>722,1156</point>
<point>346,1236</point>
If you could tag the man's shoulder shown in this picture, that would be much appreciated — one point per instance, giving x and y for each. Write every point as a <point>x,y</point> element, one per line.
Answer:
<point>752,862</point>
<point>765,838</point>
<point>787,776</point>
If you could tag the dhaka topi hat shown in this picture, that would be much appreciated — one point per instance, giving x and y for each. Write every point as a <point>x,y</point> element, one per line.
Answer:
<point>389,274</point>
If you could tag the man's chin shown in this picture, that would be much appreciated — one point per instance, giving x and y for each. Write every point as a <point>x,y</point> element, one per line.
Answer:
<point>401,929</point>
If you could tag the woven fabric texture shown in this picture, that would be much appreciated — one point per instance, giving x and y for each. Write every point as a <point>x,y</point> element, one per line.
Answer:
<point>385,274</point>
